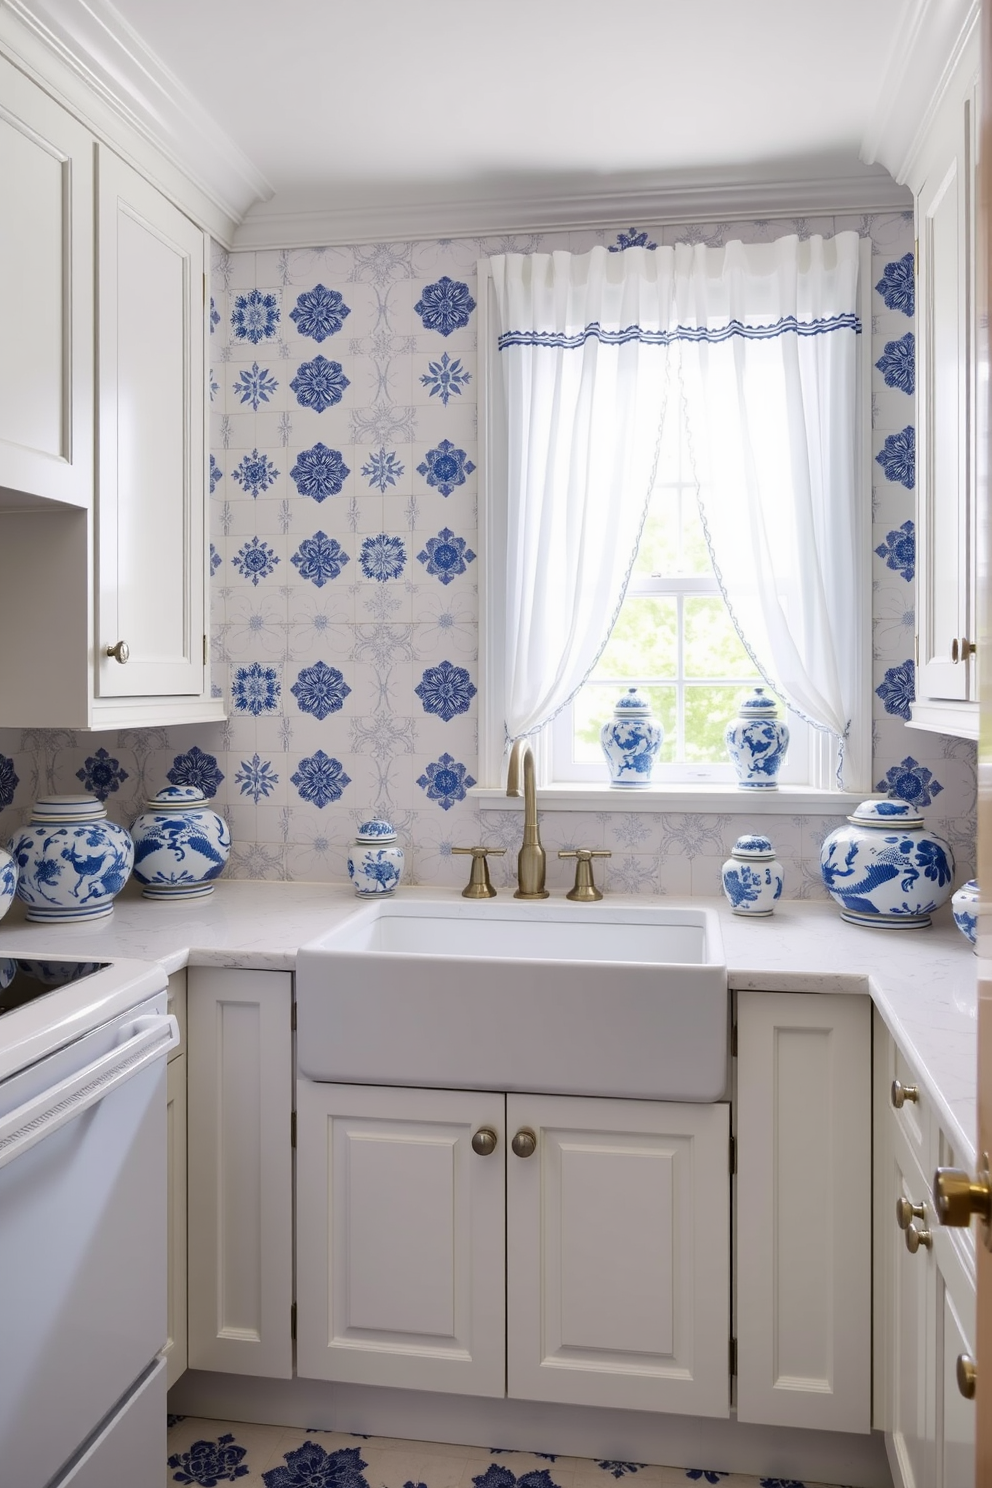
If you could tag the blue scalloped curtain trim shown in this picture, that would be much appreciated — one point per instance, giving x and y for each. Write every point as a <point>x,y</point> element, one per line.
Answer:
<point>789,324</point>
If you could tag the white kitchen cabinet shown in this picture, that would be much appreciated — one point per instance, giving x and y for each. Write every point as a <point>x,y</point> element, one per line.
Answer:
<point>176,1344</point>
<point>803,1210</point>
<point>240,1171</point>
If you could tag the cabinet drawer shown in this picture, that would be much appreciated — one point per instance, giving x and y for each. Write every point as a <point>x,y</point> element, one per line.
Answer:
<point>912,1119</point>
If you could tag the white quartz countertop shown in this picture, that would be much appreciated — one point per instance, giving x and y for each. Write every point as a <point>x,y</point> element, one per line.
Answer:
<point>923,982</point>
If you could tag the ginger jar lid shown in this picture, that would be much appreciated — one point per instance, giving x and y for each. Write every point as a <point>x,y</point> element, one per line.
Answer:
<point>74,808</point>
<point>752,846</point>
<point>759,704</point>
<point>176,798</point>
<point>631,705</point>
<point>885,815</point>
<point>376,831</point>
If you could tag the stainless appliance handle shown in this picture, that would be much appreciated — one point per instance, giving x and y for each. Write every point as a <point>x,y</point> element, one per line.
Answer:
<point>39,1117</point>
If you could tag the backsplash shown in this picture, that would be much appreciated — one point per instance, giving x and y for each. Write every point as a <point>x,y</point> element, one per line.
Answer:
<point>345,601</point>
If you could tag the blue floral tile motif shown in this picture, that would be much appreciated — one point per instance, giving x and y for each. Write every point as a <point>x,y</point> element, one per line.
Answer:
<point>320,779</point>
<point>319,558</point>
<point>196,768</point>
<point>498,1475</point>
<point>446,378</point>
<point>101,775</point>
<point>632,239</point>
<point>382,470</point>
<point>445,690</point>
<point>319,384</point>
<point>255,386</point>
<point>213,385</point>
<point>382,557</point>
<point>256,778</point>
<point>310,1466</point>
<point>446,556</point>
<point>319,472</point>
<point>897,285</point>
<point>255,560</point>
<point>319,313</point>
<point>445,306</point>
<point>255,316</point>
<point>910,782</point>
<point>898,689</point>
<point>704,1475</point>
<point>216,474</point>
<point>215,559</point>
<point>255,689</point>
<point>320,690</point>
<point>619,1469</point>
<point>255,473</point>
<point>208,1463</point>
<point>780,1483</point>
<point>445,467</point>
<point>8,780</point>
<point>897,457</point>
<point>897,363</point>
<point>214,316</point>
<point>899,550</point>
<point>446,782</point>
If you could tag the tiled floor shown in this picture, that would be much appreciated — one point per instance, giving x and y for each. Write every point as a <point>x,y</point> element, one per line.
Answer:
<point>210,1453</point>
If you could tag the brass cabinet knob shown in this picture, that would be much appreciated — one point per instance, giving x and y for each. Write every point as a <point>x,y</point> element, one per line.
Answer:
<point>907,1212</point>
<point>479,884</point>
<point>524,1143</point>
<point>903,1093</point>
<point>120,652</point>
<point>962,649</point>
<point>967,1374</point>
<point>484,1141</point>
<point>916,1237</point>
<point>957,1196</point>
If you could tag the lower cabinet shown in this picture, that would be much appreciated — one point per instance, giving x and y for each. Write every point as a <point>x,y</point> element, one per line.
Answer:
<point>175,1348</point>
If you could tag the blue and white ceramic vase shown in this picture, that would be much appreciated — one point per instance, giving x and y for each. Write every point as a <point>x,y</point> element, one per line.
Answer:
<point>8,881</point>
<point>375,860</point>
<point>71,860</point>
<point>631,741</point>
<point>964,906</point>
<point>884,868</point>
<point>756,742</point>
<point>180,845</point>
<point>752,877</point>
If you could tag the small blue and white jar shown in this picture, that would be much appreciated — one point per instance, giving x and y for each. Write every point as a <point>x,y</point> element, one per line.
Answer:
<point>631,741</point>
<point>375,860</point>
<point>8,881</point>
<point>752,877</point>
<point>757,741</point>
<point>181,845</point>
<point>884,868</point>
<point>71,861</point>
<point>964,907</point>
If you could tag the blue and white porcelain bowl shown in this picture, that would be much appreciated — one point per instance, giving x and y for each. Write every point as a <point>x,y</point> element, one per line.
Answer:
<point>631,741</point>
<point>375,860</point>
<point>964,907</point>
<point>8,881</point>
<point>884,868</point>
<point>181,845</point>
<point>752,877</point>
<point>757,742</point>
<point>71,860</point>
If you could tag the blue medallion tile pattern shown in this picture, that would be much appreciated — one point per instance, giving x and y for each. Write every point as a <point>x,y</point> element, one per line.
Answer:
<point>446,556</point>
<point>897,363</point>
<point>255,316</point>
<point>632,239</point>
<point>445,467</point>
<point>899,550</point>
<point>910,782</point>
<point>214,316</point>
<point>320,690</point>
<point>320,472</point>
<point>255,473</point>
<point>445,306</point>
<point>445,782</point>
<point>320,779</point>
<point>310,1466</point>
<point>208,1463</point>
<point>382,557</point>
<point>780,1483</point>
<point>319,313</point>
<point>319,384</point>
<point>213,385</point>
<point>101,775</point>
<point>897,689</point>
<point>382,469</point>
<point>196,768</point>
<point>897,285</point>
<point>500,1476</point>
<point>256,386</point>
<point>446,378</point>
<point>8,781</point>
<point>215,559</point>
<point>256,560</point>
<point>620,1469</point>
<point>704,1475</point>
<point>319,558</point>
<point>445,690</point>
<point>255,689</point>
<point>216,474</point>
<point>897,457</point>
<point>256,778</point>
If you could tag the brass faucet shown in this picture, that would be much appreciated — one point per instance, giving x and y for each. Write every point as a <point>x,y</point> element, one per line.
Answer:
<point>531,858</point>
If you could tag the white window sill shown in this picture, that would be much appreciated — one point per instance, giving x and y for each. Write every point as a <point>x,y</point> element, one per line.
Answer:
<point>788,800</point>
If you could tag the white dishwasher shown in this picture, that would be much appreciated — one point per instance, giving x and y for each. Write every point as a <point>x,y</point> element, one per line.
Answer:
<point>83,1051</point>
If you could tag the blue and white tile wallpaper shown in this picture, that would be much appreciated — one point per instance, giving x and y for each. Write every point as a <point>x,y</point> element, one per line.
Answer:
<point>344,581</point>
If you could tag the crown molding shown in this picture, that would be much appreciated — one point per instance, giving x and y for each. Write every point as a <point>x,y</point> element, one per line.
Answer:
<point>705,196</point>
<point>926,50</point>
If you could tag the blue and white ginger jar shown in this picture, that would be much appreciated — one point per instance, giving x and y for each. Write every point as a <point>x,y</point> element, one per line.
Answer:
<point>71,860</point>
<point>884,867</point>
<point>180,845</point>
<point>964,907</point>
<point>631,741</point>
<point>375,860</point>
<point>8,881</point>
<point>752,876</point>
<point>757,742</point>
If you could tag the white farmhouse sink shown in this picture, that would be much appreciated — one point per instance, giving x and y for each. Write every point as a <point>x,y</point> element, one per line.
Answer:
<point>562,998</point>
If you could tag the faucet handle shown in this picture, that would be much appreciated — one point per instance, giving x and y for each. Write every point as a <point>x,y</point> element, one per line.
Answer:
<point>479,885</point>
<point>584,889</point>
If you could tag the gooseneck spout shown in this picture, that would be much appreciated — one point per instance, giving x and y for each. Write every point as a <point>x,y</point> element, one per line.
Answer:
<point>531,858</point>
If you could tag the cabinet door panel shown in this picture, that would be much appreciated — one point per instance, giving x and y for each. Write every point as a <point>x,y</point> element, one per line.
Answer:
<point>958,1434</point>
<point>401,1256</point>
<point>910,1343</point>
<point>618,1232</point>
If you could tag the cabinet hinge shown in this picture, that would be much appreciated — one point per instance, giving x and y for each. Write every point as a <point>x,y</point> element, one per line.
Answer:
<point>292,1018</point>
<point>732,1355</point>
<point>292,1322</point>
<point>733,1155</point>
<point>733,1041</point>
<point>292,1129</point>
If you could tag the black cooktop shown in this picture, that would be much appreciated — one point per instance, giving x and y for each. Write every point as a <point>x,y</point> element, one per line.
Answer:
<point>24,981</point>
